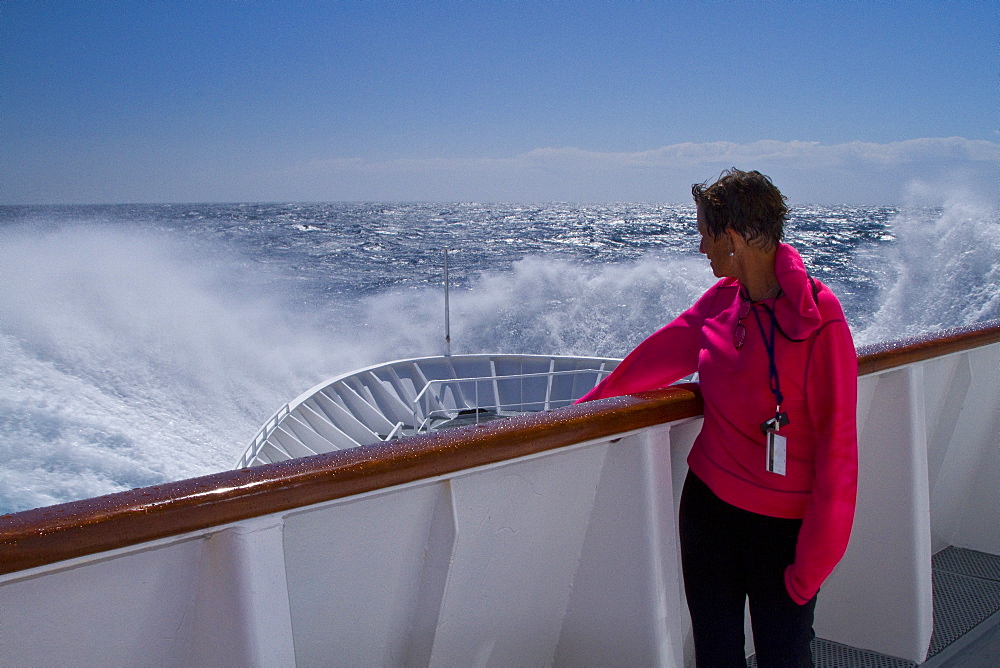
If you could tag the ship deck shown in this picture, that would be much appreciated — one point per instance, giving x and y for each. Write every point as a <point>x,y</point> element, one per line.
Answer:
<point>548,538</point>
<point>966,619</point>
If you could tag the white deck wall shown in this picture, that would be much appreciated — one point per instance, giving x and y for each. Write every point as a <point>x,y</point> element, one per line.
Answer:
<point>929,456</point>
<point>567,557</point>
<point>564,558</point>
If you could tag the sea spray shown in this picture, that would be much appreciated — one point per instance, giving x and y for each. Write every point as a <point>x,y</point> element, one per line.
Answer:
<point>943,271</point>
<point>128,361</point>
<point>549,306</point>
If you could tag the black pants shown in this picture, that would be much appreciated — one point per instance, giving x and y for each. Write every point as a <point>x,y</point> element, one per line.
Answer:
<point>729,554</point>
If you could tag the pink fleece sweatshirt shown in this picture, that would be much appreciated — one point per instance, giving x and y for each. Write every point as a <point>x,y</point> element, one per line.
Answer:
<point>819,380</point>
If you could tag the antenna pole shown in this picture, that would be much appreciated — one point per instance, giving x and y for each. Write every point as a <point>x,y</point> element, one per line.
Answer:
<point>447,314</point>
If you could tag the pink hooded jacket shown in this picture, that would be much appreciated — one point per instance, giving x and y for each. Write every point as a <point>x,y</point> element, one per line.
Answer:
<point>818,373</point>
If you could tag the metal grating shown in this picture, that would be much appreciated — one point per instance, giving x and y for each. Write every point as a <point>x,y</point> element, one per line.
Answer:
<point>966,593</point>
<point>968,562</point>
<point>834,655</point>
<point>962,600</point>
<point>828,654</point>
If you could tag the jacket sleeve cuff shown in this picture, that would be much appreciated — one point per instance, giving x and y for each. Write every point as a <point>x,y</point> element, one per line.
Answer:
<point>793,592</point>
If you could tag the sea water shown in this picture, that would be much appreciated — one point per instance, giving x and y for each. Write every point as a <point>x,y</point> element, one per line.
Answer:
<point>146,343</point>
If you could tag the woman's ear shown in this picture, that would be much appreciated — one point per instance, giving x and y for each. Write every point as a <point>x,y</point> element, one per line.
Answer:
<point>736,240</point>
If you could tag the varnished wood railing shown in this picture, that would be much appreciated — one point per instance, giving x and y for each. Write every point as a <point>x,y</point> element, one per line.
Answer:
<point>56,533</point>
<point>885,356</point>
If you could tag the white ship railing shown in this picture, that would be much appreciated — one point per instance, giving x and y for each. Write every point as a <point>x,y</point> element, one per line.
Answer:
<point>486,405</point>
<point>395,399</point>
<point>546,539</point>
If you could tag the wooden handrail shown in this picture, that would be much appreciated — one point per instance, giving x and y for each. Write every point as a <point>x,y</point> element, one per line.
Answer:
<point>892,354</point>
<point>56,533</point>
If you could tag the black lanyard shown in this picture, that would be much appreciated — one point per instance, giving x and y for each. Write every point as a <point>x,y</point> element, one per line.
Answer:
<point>769,345</point>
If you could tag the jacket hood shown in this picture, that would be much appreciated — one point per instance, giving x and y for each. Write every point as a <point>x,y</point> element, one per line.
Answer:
<point>798,315</point>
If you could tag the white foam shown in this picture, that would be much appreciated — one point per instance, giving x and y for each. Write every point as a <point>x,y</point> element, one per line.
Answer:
<point>944,269</point>
<point>129,360</point>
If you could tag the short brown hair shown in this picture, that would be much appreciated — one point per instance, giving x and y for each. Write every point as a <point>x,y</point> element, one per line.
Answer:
<point>746,202</point>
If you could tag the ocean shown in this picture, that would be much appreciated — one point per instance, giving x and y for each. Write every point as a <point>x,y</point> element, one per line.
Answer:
<point>146,343</point>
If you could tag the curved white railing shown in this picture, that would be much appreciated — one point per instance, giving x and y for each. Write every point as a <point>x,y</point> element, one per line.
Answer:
<point>413,396</point>
<point>464,401</point>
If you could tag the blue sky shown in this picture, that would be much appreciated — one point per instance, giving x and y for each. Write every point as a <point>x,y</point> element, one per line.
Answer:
<point>840,102</point>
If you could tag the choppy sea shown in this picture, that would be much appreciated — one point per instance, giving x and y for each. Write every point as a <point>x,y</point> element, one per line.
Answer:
<point>146,343</point>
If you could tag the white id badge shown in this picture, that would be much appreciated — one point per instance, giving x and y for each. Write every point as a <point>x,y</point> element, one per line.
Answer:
<point>776,452</point>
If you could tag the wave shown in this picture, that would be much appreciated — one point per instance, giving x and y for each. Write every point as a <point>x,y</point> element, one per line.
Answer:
<point>943,271</point>
<point>135,358</point>
<point>132,358</point>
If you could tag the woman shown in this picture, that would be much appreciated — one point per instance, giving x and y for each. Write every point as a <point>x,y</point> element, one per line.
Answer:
<point>768,503</point>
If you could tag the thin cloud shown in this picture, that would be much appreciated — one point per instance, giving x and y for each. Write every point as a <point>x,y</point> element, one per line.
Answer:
<point>852,172</point>
<point>693,155</point>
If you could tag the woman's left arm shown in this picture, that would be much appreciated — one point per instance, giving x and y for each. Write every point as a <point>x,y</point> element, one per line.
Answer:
<point>832,399</point>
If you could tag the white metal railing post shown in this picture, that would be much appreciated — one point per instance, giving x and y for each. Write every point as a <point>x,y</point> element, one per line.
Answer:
<point>447,311</point>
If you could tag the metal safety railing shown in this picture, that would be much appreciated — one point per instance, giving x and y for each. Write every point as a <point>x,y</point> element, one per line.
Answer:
<point>414,396</point>
<point>469,402</point>
<point>261,438</point>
